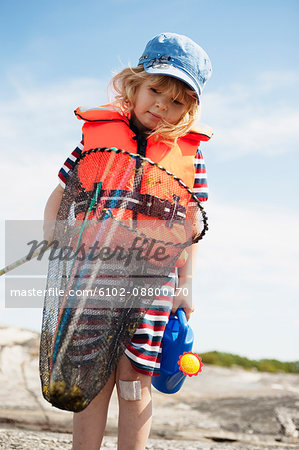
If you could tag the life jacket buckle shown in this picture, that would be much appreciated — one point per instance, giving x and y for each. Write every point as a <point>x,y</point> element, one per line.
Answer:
<point>173,208</point>
<point>148,204</point>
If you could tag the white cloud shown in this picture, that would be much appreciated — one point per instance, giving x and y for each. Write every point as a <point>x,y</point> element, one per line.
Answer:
<point>271,81</point>
<point>256,119</point>
<point>252,248</point>
<point>246,292</point>
<point>38,131</point>
<point>39,120</point>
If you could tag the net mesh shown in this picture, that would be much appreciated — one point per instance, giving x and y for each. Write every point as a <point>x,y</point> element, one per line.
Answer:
<point>124,222</point>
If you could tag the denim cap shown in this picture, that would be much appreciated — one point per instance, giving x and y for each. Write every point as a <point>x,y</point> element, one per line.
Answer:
<point>177,56</point>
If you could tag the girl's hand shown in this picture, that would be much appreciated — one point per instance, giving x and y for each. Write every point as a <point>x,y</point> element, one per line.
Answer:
<point>182,302</point>
<point>183,299</point>
<point>188,312</point>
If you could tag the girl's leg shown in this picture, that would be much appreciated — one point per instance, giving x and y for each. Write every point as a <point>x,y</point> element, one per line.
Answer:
<point>135,416</point>
<point>89,424</point>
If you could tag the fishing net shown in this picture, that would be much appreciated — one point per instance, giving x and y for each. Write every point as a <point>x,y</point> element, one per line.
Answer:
<point>123,224</point>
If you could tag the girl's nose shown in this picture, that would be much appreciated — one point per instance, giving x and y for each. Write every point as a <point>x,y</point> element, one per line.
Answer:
<point>162,103</point>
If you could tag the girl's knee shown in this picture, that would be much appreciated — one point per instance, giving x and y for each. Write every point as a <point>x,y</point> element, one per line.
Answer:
<point>129,390</point>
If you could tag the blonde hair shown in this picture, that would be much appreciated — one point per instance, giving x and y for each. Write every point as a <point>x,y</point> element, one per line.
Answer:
<point>126,83</point>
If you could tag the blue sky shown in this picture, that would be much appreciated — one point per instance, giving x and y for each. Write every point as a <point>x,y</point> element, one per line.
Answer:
<point>58,55</point>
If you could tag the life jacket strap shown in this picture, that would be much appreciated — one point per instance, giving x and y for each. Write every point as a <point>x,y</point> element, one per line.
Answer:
<point>149,205</point>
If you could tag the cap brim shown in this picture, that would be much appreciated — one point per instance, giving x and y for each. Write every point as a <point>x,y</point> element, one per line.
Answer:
<point>167,69</point>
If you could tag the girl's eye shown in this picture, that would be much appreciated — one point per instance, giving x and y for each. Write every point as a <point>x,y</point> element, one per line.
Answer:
<point>155,90</point>
<point>176,102</point>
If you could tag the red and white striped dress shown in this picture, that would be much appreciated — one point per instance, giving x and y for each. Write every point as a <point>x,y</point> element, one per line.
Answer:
<point>144,351</point>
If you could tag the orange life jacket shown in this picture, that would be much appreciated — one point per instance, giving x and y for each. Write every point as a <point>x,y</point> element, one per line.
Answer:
<point>107,126</point>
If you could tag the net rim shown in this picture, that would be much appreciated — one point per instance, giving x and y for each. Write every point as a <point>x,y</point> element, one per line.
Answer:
<point>178,180</point>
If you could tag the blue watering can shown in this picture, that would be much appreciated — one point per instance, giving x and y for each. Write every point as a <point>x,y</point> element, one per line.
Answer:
<point>177,340</point>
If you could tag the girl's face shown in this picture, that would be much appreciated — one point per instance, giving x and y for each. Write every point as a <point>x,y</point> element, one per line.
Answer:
<point>153,106</point>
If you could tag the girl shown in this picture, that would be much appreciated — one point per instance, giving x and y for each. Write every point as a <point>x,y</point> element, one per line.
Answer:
<point>156,103</point>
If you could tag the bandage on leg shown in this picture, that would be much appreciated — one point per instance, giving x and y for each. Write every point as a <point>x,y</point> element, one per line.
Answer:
<point>130,390</point>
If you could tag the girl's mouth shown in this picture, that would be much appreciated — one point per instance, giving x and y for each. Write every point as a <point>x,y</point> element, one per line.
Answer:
<point>155,116</point>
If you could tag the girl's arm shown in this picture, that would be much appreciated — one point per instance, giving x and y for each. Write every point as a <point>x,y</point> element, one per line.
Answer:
<point>51,211</point>
<point>54,200</point>
<point>185,276</point>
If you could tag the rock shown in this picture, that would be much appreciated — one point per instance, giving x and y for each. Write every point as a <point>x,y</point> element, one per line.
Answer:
<point>285,417</point>
<point>10,336</point>
<point>220,408</point>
